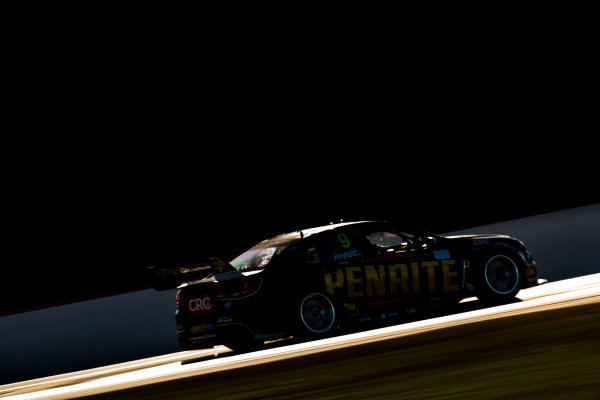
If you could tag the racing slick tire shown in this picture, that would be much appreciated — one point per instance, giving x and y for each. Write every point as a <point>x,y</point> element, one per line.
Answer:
<point>500,278</point>
<point>317,316</point>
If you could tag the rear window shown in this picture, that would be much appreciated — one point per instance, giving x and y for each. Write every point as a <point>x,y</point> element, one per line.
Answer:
<point>255,258</point>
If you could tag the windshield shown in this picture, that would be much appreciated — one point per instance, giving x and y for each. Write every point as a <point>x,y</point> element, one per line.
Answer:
<point>255,258</point>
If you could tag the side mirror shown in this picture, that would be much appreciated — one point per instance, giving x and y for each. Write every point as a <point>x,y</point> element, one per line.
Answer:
<point>427,243</point>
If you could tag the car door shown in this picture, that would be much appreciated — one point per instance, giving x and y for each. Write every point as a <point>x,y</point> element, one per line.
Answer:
<point>414,264</point>
<point>341,252</point>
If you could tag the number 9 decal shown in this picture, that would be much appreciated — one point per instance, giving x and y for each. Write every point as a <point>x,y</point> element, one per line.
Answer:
<point>343,240</point>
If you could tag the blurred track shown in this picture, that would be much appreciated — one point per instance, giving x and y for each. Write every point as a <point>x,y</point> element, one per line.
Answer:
<point>551,296</point>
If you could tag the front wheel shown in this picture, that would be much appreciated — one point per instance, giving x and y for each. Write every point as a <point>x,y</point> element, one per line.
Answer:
<point>499,279</point>
<point>317,316</point>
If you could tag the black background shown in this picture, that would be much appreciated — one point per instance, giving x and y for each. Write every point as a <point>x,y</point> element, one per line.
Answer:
<point>139,150</point>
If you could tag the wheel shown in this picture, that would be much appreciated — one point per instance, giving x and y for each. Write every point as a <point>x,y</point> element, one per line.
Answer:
<point>499,279</point>
<point>317,315</point>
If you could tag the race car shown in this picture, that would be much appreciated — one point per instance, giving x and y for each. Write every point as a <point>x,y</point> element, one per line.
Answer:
<point>316,282</point>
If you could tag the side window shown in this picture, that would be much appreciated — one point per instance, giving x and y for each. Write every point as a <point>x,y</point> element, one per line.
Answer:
<point>386,239</point>
<point>389,241</point>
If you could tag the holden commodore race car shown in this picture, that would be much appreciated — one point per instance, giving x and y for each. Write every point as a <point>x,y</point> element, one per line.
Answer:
<point>316,282</point>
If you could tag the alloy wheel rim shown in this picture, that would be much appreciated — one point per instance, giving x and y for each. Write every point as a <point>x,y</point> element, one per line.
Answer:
<point>501,274</point>
<point>317,313</point>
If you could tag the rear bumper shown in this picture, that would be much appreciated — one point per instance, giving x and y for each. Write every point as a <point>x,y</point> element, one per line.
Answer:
<point>198,335</point>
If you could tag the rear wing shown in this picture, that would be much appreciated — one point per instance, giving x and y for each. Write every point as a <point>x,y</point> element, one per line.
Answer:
<point>166,277</point>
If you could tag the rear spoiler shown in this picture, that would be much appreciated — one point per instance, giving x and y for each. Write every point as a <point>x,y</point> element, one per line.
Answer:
<point>166,277</point>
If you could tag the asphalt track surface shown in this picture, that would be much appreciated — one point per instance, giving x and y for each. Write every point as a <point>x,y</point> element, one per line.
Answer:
<point>565,294</point>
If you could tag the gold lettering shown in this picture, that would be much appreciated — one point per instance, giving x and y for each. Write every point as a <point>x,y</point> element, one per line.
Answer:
<point>430,273</point>
<point>334,280</point>
<point>398,275</point>
<point>375,278</point>
<point>448,286</point>
<point>353,281</point>
<point>416,282</point>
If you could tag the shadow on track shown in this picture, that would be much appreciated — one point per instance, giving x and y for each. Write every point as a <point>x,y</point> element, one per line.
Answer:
<point>442,311</point>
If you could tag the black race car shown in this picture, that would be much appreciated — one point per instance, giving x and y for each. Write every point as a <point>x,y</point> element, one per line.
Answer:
<point>315,282</point>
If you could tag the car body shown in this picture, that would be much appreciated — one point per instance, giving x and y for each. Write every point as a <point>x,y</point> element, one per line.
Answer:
<point>314,282</point>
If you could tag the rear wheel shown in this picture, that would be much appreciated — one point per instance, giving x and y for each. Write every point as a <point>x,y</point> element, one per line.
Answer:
<point>317,316</point>
<point>499,280</point>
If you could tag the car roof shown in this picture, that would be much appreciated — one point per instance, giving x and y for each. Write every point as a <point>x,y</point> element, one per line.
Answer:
<point>304,233</point>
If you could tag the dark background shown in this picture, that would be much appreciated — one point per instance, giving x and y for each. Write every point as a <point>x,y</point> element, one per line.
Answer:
<point>144,153</point>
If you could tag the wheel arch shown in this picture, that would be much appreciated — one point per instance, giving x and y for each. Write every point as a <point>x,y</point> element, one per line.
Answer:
<point>479,256</point>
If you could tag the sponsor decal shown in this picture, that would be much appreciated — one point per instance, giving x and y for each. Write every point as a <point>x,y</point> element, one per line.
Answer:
<point>312,257</point>
<point>270,336</point>
<point>200,339</point>
<point>393,279</point>
<point>202,328</point>
<point>441,254</point>
<point>200,305</point>
<point>346,255</point>
<point>480,242</point>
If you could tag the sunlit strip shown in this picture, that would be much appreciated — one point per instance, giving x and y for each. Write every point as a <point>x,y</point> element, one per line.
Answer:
<point>65,379</point>
<point>113,382</point>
